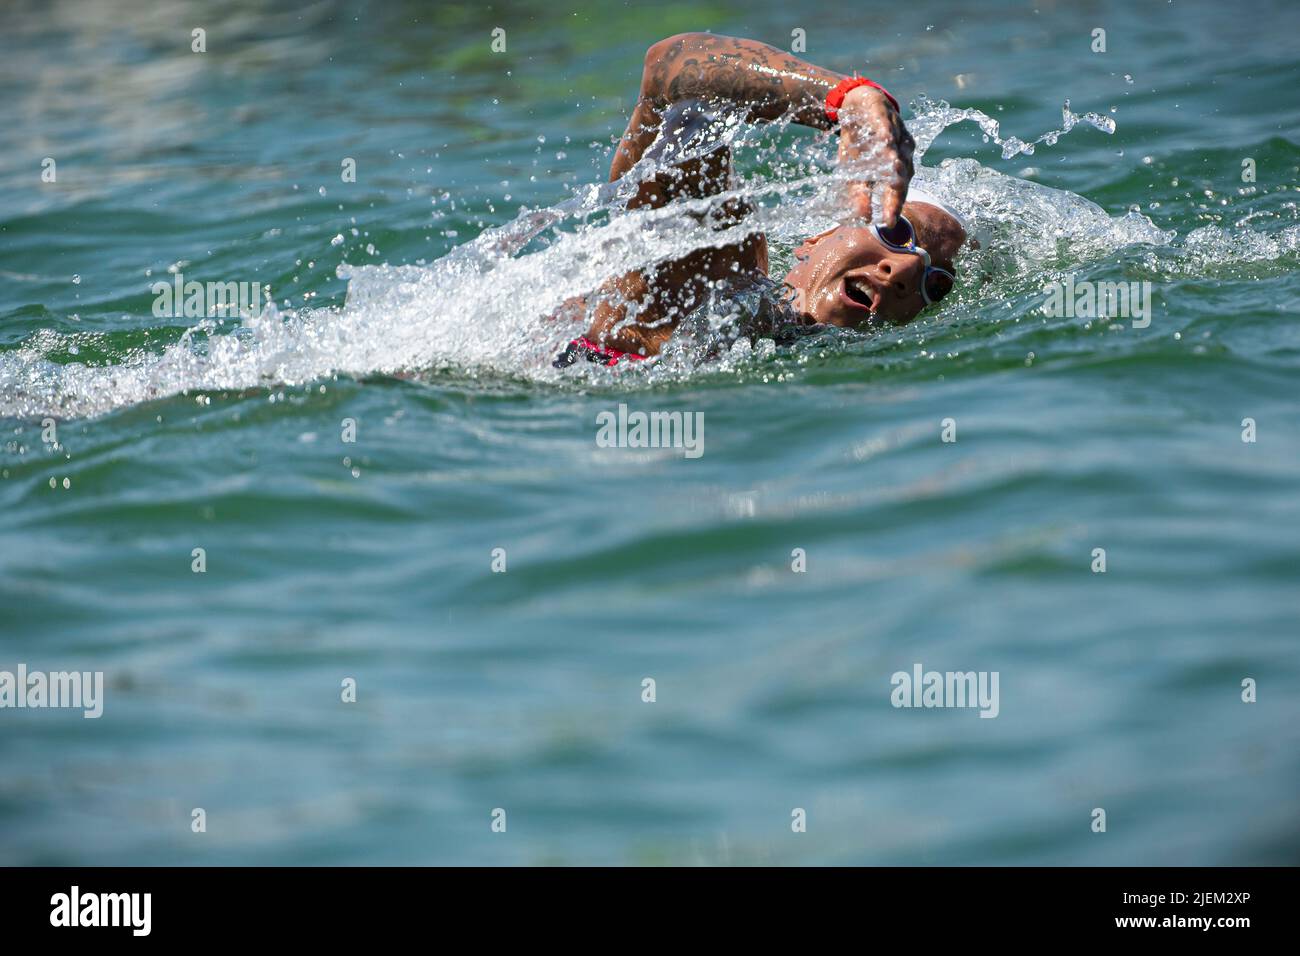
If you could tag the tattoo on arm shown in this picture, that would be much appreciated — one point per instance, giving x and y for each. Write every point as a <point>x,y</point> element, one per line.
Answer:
<point>770,82</point>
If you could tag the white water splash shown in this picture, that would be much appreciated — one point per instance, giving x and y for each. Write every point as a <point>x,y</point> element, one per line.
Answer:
<point>482,307</point>
<point>934,116</point>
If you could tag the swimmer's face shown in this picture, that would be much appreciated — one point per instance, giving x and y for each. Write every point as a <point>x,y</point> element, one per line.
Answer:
<point>848,277</point>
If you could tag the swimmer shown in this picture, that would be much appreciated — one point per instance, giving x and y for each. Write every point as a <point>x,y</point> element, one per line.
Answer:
<point>860,274</point>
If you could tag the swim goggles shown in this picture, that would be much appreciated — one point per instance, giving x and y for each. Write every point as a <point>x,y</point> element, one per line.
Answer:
<point>901,237</point>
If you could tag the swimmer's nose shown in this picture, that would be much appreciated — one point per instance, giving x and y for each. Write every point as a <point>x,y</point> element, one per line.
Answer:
<point>901,273</point>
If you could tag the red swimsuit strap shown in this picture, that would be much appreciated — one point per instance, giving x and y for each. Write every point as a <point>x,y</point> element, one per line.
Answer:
<point>612,354</point>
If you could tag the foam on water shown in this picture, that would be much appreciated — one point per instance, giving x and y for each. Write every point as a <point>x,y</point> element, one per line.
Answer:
<point>483,307</point>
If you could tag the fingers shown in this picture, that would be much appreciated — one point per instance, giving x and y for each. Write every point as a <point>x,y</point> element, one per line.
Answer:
<point>895,190</point>
<point>890,195</point>
<point>859,197</point>
<point>891,204</point>
<point>878,128</point>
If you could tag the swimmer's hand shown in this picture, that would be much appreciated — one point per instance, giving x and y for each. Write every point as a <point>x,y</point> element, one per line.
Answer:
<point>873,136</point>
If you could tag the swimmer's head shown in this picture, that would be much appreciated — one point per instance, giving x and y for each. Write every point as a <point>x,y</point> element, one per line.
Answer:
<point>848,276</point>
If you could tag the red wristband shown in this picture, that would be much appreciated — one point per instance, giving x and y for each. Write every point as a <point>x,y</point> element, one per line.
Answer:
<point>835,98</point>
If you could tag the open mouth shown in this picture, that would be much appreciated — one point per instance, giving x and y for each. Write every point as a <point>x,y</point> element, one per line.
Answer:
<point>859,294</point>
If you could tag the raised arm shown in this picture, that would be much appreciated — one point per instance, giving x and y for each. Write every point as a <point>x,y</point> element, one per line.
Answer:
<point>768,84</point>
<point>771,82</point>
<point>713,73</point>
